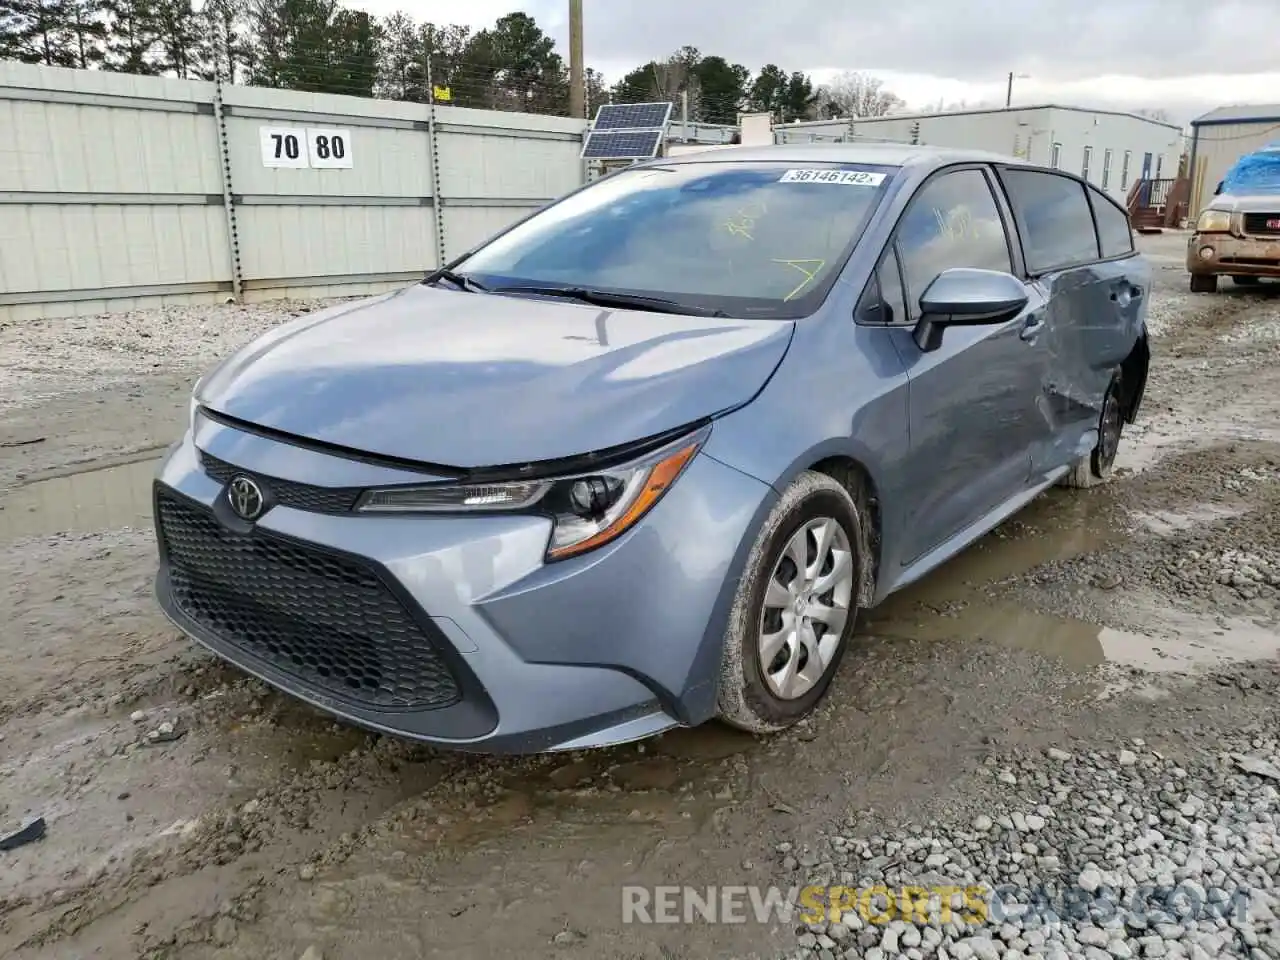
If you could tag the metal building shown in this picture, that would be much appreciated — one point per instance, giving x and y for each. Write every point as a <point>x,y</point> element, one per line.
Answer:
<point>1109,148</point>
<point>1223,136</point>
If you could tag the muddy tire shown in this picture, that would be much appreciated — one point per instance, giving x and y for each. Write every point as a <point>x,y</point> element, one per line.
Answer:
<point>1204,283</point>
<point>1097,467</point>
<point>792,618</point>
<point>1245,281</point>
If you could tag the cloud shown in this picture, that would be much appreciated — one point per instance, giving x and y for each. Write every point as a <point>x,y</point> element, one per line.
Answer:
<point>969,40</point>
<point>1184,56</point>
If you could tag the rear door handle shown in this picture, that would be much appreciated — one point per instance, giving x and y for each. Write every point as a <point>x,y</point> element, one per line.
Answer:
<point>1031,327</point>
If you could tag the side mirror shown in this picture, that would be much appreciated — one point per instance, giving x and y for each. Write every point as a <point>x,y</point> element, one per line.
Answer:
<point>964,296</point>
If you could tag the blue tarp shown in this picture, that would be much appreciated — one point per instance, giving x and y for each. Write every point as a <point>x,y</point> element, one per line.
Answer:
<point>1255,172</point>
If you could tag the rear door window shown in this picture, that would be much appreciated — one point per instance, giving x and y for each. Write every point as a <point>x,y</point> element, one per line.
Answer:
<point>1054,218</point>
<point>1114,236</point>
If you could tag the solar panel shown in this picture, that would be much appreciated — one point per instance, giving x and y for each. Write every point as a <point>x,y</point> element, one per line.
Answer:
<point>632,116</point>
<point>621,144</point>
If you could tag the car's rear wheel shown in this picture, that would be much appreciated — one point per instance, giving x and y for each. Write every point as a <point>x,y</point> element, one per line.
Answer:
<point>1204,283</point>
<point>795,607</point>
<point>1097,467</point>
<point>1246,281</point>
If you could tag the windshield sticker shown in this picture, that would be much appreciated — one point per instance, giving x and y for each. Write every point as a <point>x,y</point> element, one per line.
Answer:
<point>847,178</point>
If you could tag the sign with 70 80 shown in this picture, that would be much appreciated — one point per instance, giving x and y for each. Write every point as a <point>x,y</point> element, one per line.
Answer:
<point>320,148</point>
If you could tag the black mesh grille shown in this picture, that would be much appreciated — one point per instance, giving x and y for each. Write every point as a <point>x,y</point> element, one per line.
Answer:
<point>288,493</point>
<point>327,619</point>
<point>1256,223</point>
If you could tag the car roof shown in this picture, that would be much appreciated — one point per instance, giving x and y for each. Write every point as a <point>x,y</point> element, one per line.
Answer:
<point>889,154</point>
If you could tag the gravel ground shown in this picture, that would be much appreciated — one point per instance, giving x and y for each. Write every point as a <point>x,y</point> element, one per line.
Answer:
<point>1102,854</point>
<point>42,361</point>
<point>1082,704</point>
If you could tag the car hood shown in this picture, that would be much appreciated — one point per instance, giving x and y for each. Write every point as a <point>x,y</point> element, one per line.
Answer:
<point>1247,203</point>
<point>471,380</point>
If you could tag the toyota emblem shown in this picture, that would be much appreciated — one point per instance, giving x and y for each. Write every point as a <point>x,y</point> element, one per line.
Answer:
<point>245,498</point>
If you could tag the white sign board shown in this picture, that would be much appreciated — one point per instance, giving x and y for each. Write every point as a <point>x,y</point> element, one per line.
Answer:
<point>283,146</point>
<point>329,149</point>
<point>757,129</point>
<point>320,148</point>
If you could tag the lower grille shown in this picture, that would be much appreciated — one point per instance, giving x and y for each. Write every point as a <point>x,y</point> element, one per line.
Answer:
<point>1256,224</point>
<point>327,619</point>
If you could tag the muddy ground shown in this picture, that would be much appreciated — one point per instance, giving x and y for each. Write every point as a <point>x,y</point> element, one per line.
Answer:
<point>260,829</point>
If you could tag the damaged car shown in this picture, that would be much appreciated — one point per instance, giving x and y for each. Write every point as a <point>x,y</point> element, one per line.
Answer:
<point>640,460</point>
<point>1238,234</point>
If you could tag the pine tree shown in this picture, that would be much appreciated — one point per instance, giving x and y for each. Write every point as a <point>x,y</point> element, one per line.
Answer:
<point>180,43</point>
<point>352,54</point>
<point>38,31</point>
<point>401,60</point>
<point>88,29</point>
<point>133,37</point>
<point>227,43</point>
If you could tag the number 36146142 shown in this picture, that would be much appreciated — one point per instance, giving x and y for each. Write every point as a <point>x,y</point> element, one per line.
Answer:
<point>305,147</point>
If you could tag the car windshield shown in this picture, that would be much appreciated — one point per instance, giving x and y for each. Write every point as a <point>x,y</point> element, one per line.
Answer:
<point>749,239</point>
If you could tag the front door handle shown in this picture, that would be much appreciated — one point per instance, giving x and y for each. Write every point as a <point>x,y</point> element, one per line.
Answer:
<point>1031,327</point>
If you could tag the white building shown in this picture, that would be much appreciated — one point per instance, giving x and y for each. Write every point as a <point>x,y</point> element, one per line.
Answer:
<point>1108,148</point>
<point>1223,136</point>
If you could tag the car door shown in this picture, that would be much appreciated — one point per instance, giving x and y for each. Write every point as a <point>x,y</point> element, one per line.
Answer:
<point>1062,255</point>
<point>1125,278</point>
<point>971,400</point>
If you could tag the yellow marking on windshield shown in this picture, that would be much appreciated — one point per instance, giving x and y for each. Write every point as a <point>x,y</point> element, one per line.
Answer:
<point>808,274</point>
<point>744,220</point>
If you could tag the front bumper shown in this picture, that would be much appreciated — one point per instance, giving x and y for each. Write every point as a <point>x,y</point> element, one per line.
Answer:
<point>452,630</point>
<point>1226,254</point>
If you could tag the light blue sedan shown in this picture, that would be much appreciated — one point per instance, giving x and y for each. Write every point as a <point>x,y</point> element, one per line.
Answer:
<point>640,460</point>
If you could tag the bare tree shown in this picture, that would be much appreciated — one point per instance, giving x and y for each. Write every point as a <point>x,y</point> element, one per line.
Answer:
<point>1154,113</point>
<point>855,94</point>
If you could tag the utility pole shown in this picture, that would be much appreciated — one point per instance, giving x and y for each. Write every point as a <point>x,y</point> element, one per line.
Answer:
<point>577,74</point>
<point>1008,90</point>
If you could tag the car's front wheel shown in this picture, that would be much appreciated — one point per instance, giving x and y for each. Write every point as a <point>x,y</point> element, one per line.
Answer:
<point>795,607</point>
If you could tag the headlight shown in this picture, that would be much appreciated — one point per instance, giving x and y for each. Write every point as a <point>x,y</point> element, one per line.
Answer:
<point>1214,221</point>
<point>588,509</point>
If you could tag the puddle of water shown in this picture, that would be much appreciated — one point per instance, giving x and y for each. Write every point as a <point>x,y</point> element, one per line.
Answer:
<point>87,502</point>
<point>1056,526</point>
<point>1166,522</point>
<point>1173,642</point>
<point>1151,440</point>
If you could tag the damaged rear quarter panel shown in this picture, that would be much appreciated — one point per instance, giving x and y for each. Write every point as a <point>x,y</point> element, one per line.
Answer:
<point>1096,324</point>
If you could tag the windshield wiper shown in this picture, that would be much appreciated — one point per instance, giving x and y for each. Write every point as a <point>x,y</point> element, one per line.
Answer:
<point>603,298</point>
<point>459,280</point>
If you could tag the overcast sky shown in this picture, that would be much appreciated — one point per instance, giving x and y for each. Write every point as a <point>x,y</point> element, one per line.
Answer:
<point>1185,56</point>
